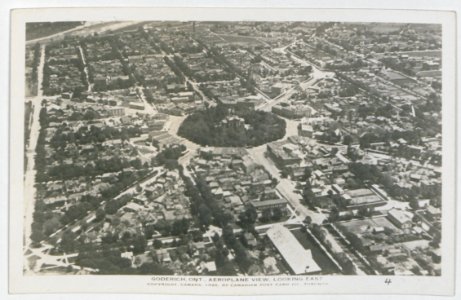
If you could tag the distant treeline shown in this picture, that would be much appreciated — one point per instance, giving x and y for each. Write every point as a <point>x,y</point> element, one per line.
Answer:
<point>42,29</point>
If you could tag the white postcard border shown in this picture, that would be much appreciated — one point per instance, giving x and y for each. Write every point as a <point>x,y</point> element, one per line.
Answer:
<point>443,285</point>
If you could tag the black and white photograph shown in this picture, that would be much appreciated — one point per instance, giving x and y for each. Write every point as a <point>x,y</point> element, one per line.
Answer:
<point>230,151</point>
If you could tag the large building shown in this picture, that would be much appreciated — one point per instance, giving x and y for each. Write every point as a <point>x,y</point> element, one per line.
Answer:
<point>137,105</point>
<point>400,218</point>
<point>244,103</point>
<point>270,204</point>
<point>292,111</point>
<point>306,130</point>
<point>299,260</point>
<point>116,111</point>
<point>353,200</point>
<point>283,154</point>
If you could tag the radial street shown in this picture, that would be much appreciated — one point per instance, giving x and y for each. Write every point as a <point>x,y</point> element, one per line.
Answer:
<point>316,75</point>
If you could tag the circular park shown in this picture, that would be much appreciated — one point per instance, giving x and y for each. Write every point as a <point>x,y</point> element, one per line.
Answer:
<point>224,126</point>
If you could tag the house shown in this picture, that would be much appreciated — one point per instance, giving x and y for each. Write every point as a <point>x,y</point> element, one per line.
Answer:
<point>210,266</point>
<point>250,238</point>
<point>377,248</point>
<point>270,266</point>
<point>423,203</point>
<point>384,265</point>
<point>67,95</point>
<point>163,256</point>
<point>298,173</point>
<point>127,254</point>
<point>133,207</point>
<point>137,105</point>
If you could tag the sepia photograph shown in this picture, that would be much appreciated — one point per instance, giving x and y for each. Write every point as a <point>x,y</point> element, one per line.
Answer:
<point>227,152</point>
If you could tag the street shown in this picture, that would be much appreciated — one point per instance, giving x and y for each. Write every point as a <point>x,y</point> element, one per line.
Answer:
<point>29,177</point>
<point>285,187</point>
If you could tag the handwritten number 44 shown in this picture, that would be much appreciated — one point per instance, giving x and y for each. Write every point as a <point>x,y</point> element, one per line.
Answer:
<point>387,281</point>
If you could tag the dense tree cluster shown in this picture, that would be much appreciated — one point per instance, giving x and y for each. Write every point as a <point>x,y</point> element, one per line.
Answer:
<point>113,84</point>
<point>406,67</point>
<point>175,69</point>
<point>42,226</point>
<point>84,135</point>
<point>92,134</point>
<point>204,204</point>
<point>98,167</point>
<point>105,55</point>
<point>371,173</point>
<point>242,257</point>
<point>31,82</point>
<point>206,128</point>
<point>77,87</point>
<point>46,222</point>
<point>411,136</point>
<point>329,137</point>
<point>109,261</point>
<point>348,90</point>
<point>202,76</point>
<point>169,156</point>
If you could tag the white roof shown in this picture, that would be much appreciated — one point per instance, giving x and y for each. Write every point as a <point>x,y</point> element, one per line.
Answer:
<point>299,259</point>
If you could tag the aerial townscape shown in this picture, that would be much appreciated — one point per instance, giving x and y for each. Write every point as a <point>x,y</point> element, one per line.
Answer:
<point>232,148</point>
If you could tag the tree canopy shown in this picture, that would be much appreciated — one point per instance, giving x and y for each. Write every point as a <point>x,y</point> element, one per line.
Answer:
<point>209,128</point>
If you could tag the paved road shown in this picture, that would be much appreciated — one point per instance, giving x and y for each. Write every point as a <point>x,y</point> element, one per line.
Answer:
<point>29,178</point>
<point>285,187</point>
<point>148,107</point>
<point>85,69</point>
<point>44,261</point>
<point>192,148</point>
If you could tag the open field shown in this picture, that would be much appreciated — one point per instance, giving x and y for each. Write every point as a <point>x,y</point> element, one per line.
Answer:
<point>385,28</point>
<point>39,29</point>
